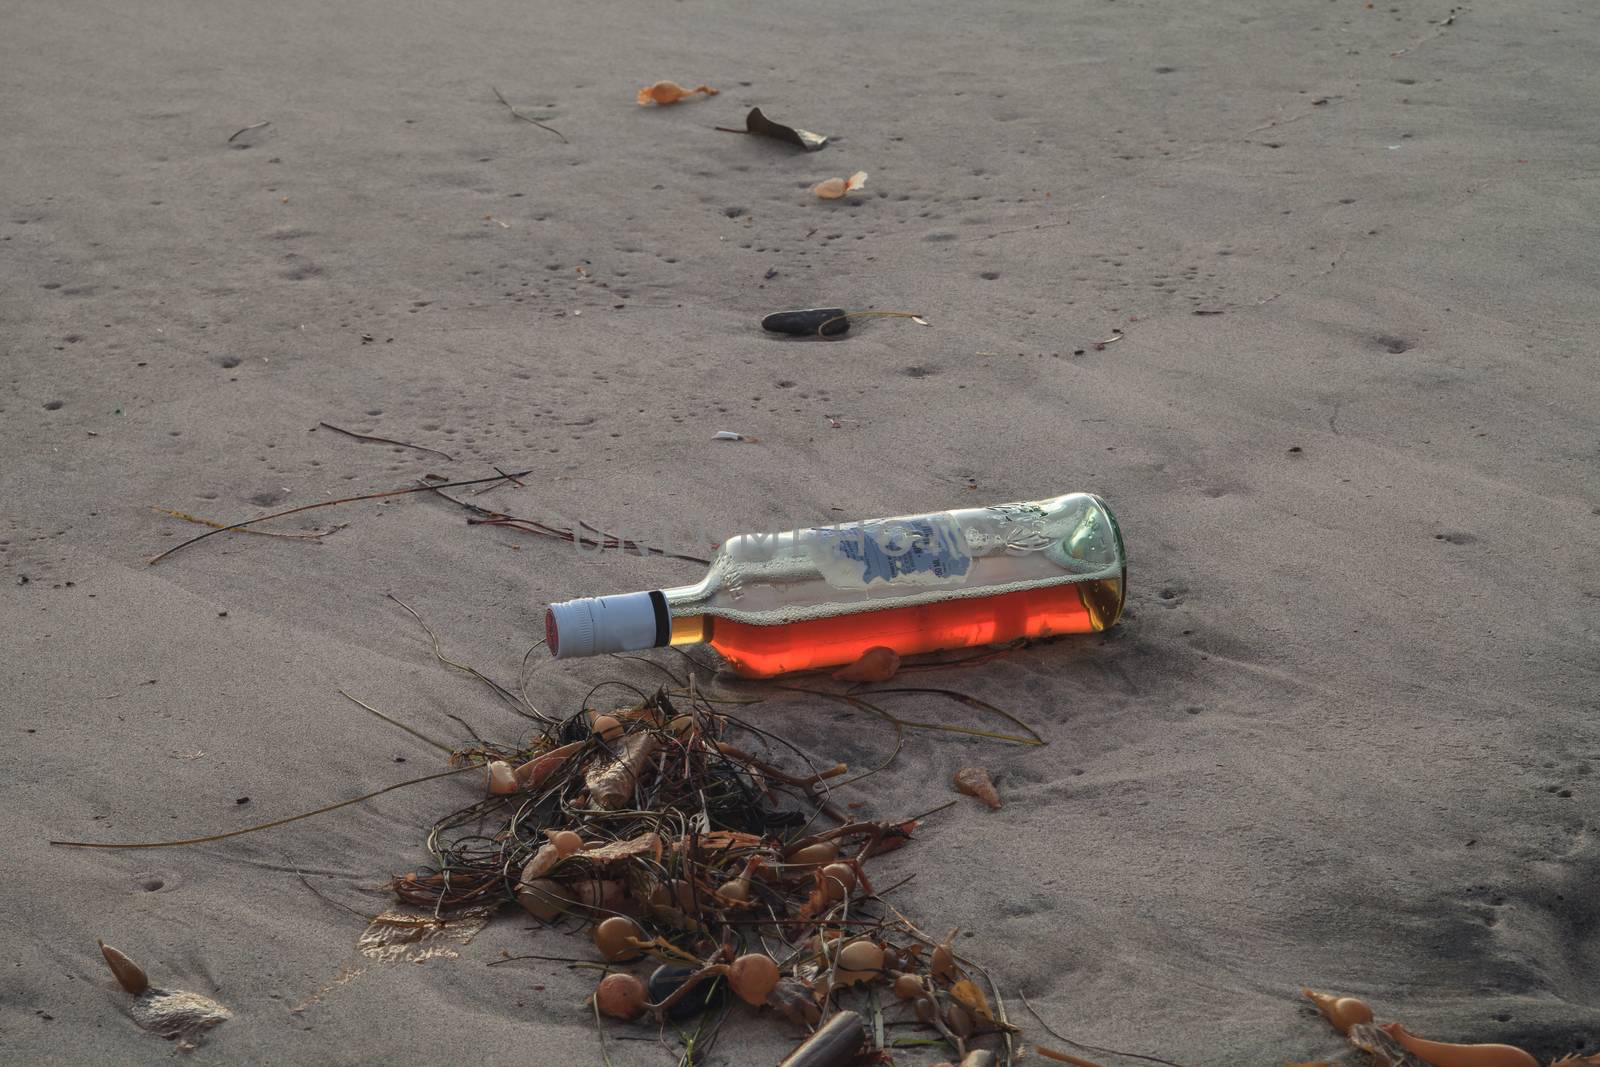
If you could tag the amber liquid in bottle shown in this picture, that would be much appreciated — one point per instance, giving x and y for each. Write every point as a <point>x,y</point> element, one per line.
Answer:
<point>763,651</point>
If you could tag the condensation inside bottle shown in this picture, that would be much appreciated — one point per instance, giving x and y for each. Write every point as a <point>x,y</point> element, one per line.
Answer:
<point>762,651</point>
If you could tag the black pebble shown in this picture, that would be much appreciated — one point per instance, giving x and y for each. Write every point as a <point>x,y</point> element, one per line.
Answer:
<point>808,322</point>
<point>242,800</point>
<point>706,995</point>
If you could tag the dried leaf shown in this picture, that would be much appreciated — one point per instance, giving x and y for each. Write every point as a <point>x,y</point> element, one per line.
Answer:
<point>835,188</point>
<point>665,94</point>
<point>975,782</point>
<point>967,992</point>
<point>877,664</point>
<point>646,844</point>
<point>895,835</point>
<point>403,937</point>
<point>719,840</point>
<point>761,126</point>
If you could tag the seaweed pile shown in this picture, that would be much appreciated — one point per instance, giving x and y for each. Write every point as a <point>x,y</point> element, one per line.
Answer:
<point>657,830</point>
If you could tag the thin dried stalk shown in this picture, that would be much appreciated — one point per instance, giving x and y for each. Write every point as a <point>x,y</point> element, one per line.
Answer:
<point>324,504</point>
<point>198,521</point>
<point>384,440</point>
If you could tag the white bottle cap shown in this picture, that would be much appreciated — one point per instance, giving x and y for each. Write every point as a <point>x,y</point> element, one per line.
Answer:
<point>592,626</point>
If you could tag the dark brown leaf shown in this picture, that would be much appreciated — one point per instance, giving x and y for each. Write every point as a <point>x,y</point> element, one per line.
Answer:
<point>760,125</point>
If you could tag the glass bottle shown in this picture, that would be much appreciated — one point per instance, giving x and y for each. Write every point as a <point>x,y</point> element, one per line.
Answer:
<point>820,597</point>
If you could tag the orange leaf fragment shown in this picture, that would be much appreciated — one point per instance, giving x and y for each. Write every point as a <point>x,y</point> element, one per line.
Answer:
<point>535,772</point>
<point>663,94</point>
<point>975,782</point>
<point>834,188</point>
<point>877,664</point>
<point>972,997</point>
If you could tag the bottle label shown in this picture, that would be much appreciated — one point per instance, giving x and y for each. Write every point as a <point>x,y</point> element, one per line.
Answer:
<point>927,551</point>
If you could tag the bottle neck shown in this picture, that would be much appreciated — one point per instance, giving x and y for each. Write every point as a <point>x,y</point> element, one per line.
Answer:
<point>687,606</point>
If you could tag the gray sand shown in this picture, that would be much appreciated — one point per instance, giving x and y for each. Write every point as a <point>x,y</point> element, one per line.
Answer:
<point>1345,735</point>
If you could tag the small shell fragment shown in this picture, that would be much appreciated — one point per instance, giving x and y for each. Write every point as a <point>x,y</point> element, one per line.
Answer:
<point>834,188</point>
<point>729,435</point>
<point>975,782</point>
